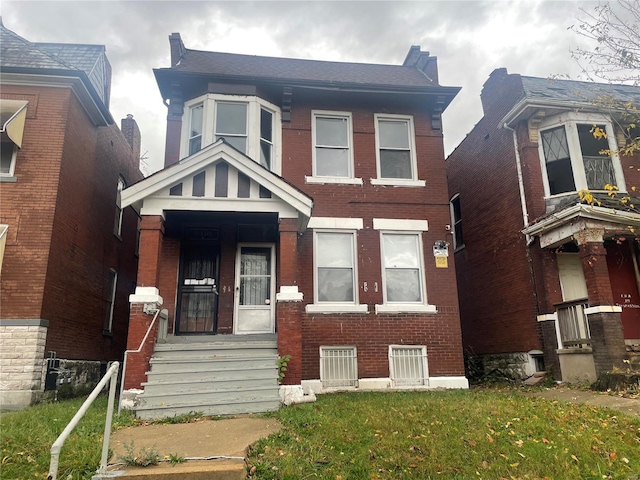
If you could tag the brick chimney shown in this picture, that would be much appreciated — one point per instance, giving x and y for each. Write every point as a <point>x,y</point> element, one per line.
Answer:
<point>131,132</point>
<point>423,62</point>
<point>177,48</point>
<point>499,90</point>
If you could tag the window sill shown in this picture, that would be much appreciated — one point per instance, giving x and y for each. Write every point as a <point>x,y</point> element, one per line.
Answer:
<point>405,308</point>
<point>336,308</point>
<point>336,180</point>
<point>8,179</point>
<point>398,182</point>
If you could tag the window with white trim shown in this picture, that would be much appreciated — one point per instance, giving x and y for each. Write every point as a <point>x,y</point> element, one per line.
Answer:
<point>570,151</point>
<point>332,138</point>
<point>117,222</point>
<point>110,300</point>
<point>456,221</point>
<point>8,151</point>
<point>248,123</point>
<point>402,268</point>
<point>395,148</point>
<point>408,365</point>
<point>339,367</point>
<point>335,267</point>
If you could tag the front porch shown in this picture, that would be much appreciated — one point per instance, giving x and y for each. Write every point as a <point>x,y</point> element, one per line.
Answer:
<point>215,228</point>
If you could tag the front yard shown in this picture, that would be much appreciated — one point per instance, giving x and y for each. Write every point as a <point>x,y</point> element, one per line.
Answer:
<point>479,433</point>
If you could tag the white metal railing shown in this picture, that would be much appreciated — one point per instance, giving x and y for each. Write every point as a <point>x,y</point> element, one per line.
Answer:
<point>163,325</point>
<point>111,378</point>
<point>408,365</point>
<point>573,323</point>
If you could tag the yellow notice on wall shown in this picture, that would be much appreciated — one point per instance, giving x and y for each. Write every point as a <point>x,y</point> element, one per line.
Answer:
<point>441,262</point>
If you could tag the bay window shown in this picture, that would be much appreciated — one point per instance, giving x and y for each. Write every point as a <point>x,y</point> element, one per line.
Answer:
<point>248,123</point>
<point>572,154</point>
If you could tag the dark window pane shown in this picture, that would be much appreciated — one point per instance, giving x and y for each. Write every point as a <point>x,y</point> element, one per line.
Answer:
<point>222,180</point>
<point>332,132</point>
<point>244,186</point>
<point>266,125</point>
<point>589,143</point>
<point>393,133</point>
<point>198,185</point>
<point>6,154</point>
<point>395,164</point>
<point>264,193</point>
<point>231,118</point>
<point>195,144</point>
<point>265,154</point>
<point>599,172</point>
<point>560,175</point>
<point>239,143</point>
<point>176,190</point>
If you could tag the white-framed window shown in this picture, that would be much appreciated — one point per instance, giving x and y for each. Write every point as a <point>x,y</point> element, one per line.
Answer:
<point>396,151</point>
<point>335,276</point>
<point>8,153</point>
<point>110,300</point>
<point>402,262</point>
<point>408,365</point>
<point>117,222</point>
<point>249,123</point>
<point>339,366</point>
<point>332,137</point>
<point>571,155</point>
<point>456,221</point>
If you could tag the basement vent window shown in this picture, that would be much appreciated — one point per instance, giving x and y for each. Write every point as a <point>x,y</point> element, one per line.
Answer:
<point>408,365</point>
<point>338,367</point>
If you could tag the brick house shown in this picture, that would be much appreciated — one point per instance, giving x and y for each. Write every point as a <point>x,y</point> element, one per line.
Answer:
<point>552,279</point>
<point>67,250</point>
<point>297,214</point>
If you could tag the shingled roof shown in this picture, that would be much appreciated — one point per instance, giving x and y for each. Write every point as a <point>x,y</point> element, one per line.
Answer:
<point>417,75</point>
<point>19,55</point>
<point>575,91</point>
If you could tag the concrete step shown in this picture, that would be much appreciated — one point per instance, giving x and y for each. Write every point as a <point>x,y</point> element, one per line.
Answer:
<point>189,386</point>
<point>192,470</point>
<point>228,408</point>
<point>208,364</point>
<point>206,350</point>
<point>203,374</point>
<point>209,395</point>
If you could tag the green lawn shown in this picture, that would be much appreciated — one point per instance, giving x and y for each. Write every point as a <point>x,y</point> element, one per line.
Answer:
<point>478,433</point>
<point>451,435</point>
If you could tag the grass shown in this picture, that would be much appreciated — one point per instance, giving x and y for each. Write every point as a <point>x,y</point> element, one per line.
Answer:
<point>451,435</point>
<point>26,437</point>
<point>483,434</point>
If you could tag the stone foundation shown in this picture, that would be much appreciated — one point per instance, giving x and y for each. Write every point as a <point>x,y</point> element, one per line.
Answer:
<point>22,365</point>
<point>515,366</point>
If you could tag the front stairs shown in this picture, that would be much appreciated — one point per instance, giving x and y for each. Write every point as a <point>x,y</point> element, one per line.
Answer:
<point>215,375</point>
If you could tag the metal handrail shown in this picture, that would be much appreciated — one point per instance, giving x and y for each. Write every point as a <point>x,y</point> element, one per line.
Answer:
<point>57,445</point>
<point>137,350</point>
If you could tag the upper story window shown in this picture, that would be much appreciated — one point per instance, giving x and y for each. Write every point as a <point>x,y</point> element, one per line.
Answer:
<point>117,222</point>
<point>248,123</point>
<point>571,154</point>
<point>456,222</point>
<point>8,153</point>
<point>332,151</point>
<point>396,151</point>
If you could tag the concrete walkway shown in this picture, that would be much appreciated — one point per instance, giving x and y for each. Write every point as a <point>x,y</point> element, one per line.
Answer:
<point>225,442</point>
<point>629,406</point>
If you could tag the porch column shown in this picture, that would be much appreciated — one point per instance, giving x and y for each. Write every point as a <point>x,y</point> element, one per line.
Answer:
<point>145,302</point>
<point>605,323</point>
<point>289,300</point>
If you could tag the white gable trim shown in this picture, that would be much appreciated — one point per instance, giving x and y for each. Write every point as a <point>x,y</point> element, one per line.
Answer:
<point>139,193</point>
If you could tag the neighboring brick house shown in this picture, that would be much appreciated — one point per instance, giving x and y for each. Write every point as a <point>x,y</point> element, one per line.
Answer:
<point>68,252</point>
<point>300,202</point>
<point>545,280</point>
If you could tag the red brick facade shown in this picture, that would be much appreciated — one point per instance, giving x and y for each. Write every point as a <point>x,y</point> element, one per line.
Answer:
<point>60,210</point>
<point>505,278</point>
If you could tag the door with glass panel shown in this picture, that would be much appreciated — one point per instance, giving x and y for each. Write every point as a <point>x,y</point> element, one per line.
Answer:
<point>197,290</point>
<point>255,289</point>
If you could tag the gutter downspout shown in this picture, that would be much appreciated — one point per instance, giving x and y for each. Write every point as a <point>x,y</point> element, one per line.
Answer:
<point>523,202</point>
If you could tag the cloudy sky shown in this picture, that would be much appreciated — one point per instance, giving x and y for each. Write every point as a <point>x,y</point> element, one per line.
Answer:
<point>470,39</point>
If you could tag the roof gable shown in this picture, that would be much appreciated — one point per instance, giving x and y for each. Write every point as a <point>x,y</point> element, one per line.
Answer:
<point>247,183</point>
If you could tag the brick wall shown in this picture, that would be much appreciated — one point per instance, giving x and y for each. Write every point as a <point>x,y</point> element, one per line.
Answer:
<point>60,213</point>
<point>494,273</point>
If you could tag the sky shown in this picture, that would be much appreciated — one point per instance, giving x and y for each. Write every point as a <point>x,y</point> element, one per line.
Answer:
<point>470,39</point>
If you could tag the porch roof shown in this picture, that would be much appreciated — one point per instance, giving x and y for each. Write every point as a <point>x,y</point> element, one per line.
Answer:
<point>151,195</point>
<point>562,226</point>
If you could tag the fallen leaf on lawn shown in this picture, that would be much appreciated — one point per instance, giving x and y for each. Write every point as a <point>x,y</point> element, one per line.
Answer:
<point>544,440</point>
<point>490,438</point>
<point>574,458</point>
<point>613,455</point>
<point>625,460</point>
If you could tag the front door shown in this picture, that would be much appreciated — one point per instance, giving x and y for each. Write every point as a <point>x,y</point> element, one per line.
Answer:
<point>197,291</point>
<point>255,289</point>
<point>621,260</point>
